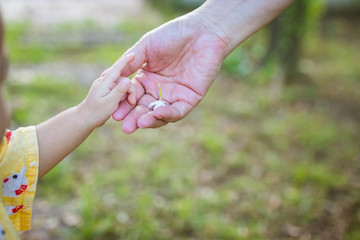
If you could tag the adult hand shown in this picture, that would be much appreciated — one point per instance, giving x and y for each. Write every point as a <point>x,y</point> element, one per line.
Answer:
<point>184,56</point>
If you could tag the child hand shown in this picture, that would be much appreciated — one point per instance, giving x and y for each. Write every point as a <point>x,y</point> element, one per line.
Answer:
<point>106,93</point>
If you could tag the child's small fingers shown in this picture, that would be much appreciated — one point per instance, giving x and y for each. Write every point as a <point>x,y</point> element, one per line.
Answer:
<point>121,88</point>
<point>131,93</point>
<point>121,63</point>
<point>113,73</point>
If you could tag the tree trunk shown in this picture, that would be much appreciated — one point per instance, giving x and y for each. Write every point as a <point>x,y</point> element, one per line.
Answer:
<point>286,37</point>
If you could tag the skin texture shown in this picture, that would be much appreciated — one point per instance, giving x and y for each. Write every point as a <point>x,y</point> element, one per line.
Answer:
<point>185,70</point>
<point>185,55</point>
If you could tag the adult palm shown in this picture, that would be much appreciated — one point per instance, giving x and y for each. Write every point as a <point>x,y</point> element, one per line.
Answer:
<point>184,57</point>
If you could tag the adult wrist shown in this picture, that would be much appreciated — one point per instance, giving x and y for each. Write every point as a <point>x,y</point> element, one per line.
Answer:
<point>224,19</point>
<point>234,21</point>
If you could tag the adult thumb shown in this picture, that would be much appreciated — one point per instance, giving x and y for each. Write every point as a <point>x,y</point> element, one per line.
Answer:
<point>140,57</point>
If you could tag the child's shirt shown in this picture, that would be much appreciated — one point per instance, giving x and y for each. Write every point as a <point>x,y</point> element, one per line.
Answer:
<point>19,161</point>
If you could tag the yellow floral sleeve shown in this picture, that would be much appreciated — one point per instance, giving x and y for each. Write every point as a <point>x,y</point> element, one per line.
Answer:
<point>19,161</point>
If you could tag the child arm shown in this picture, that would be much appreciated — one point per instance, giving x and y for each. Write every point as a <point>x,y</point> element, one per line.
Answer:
<point>60,135</point>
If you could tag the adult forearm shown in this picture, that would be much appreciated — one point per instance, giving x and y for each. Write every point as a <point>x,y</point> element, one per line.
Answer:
<point>236,20</point>
<point>59,136</point>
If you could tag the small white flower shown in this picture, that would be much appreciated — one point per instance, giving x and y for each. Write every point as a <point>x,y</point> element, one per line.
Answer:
<point>158,103</point>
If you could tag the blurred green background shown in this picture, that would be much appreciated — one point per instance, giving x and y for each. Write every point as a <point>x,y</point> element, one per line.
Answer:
<point>271,153</point>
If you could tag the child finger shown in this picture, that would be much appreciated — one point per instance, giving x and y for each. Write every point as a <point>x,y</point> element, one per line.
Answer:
<point>115,71</point>
<point>118,92</point>
<point>131,94</point>
<point>121,63</point>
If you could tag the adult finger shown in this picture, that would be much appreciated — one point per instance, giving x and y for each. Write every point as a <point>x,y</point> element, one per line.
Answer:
<point>124,109</point>
<point>148,120</point>
<point>136,91</point>
<point>165,114</point>
<point>125,106</point>
<point>132,95</point>
<point>139,49</point>
<point>173,112</point>
<point>129,123</point>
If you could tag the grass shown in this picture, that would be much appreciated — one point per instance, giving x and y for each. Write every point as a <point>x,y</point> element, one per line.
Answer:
<point>248,162</point>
